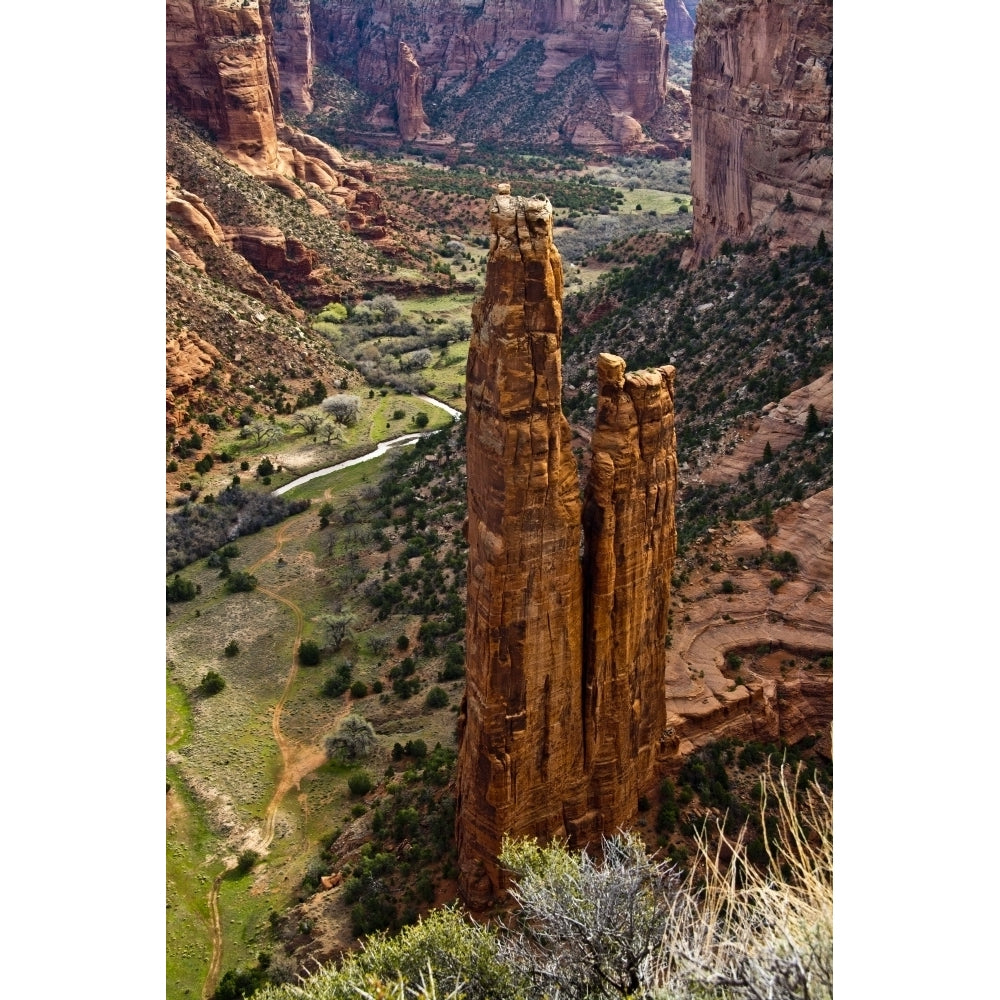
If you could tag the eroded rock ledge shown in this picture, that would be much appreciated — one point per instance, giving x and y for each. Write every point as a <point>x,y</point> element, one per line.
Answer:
<point>564,708</point>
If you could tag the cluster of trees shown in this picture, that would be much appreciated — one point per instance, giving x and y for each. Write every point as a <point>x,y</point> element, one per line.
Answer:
<point>198,529</point>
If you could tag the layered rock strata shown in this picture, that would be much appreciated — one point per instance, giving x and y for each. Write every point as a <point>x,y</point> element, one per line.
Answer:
<point>761,128</point>
<point>564,704</point>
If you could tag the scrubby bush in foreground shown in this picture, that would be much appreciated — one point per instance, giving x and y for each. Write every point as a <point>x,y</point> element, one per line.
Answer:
<point>629,926</point>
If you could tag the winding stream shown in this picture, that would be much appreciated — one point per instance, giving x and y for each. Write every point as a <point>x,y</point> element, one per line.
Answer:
<point>380,449</point>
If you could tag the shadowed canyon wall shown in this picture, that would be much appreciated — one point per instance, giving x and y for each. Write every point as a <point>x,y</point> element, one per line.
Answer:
<point>761,123</point>
<point>567,600</point>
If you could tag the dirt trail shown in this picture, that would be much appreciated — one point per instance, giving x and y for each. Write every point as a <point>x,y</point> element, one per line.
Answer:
<point>296,762</point>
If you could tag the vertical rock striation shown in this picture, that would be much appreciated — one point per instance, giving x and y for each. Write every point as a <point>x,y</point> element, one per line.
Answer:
<point>680,23</point>
<point>631,541</point>
<point>295,52</point>
<point>564,702</point>
<point>521,768</point>
<point>761,123</point>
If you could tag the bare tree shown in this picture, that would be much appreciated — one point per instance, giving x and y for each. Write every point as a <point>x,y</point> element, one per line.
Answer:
<point>387,306</point>
<point>330,432</point>
<point>588,928</point>
<point>344,409</point>
<point>309,422</point>
<point>337,628</point>
<point>262,432</point>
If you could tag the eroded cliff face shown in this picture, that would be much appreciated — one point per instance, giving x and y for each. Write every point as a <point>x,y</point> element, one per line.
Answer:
<point>680,23</point>
<point>564,703</point>
<point>458,47</point>
<point>221,74</point>
<point>762,127</point>
<point>293,49</point>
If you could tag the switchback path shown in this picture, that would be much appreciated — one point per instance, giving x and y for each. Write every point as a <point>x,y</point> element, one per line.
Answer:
<point>296,761</point>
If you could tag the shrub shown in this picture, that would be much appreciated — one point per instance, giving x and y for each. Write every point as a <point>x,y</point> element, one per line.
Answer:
<point>266,467</point>
<point>335,312</point>
<point>359,689</point>
<point>241,582</point>
<point>776,584</point>
<point>204,464</point>
<point>421,419</point>
<point>244,466</point>
<point>232,648</point>
<point>813,424</point>
<point>355,738</point>
<point>436,698</point>
<point>398,414</point>
<point>180,589</point>
<point>334,687</point>
<point>246,861</point>
<point>728,587</point>
<point>309,653</point>
<point>360,783</point>
<point>403,642</point>
<point>377,687</point>
<point>172,465</point>
<point>212,683</point>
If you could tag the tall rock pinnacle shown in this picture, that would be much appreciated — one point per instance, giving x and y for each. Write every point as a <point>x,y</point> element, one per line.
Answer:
<point>567,602</point>
<point>521,767</point>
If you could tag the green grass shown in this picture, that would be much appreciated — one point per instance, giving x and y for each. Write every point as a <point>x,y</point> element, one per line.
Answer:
<point>338,482</point>
<point>451,307</point>
<point>384,426</point>
<point>178,716</point>
<point>189,943</point>
<point>448,373</point>
<point>662,202</point>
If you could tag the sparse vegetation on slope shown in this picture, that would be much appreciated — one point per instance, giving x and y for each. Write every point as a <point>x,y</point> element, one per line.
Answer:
<point>743,331</point>
<point>630,925</point>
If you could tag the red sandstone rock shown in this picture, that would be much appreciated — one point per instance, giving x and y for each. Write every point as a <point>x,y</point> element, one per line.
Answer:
<point>409,102</point>
<point>222,73</point>
<point>631,541</point>
<point>458,46</point>
<point>564,706</point>
<point>293,49</point>
<point>521,757</point>
<point>680,24</point>
<point>762,128</point>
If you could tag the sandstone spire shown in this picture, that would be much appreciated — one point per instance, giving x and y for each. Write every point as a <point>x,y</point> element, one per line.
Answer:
<point>409,98</point>
<point>521,760</point>
<point>631,541</point>
<point>564,702</point>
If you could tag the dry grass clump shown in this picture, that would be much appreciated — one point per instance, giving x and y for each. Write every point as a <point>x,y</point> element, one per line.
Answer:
<point>742,932</point>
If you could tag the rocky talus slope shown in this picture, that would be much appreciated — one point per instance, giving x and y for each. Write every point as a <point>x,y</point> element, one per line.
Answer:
<point>563,709</point>
<point>762,125</point>
<point>593,72</point>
